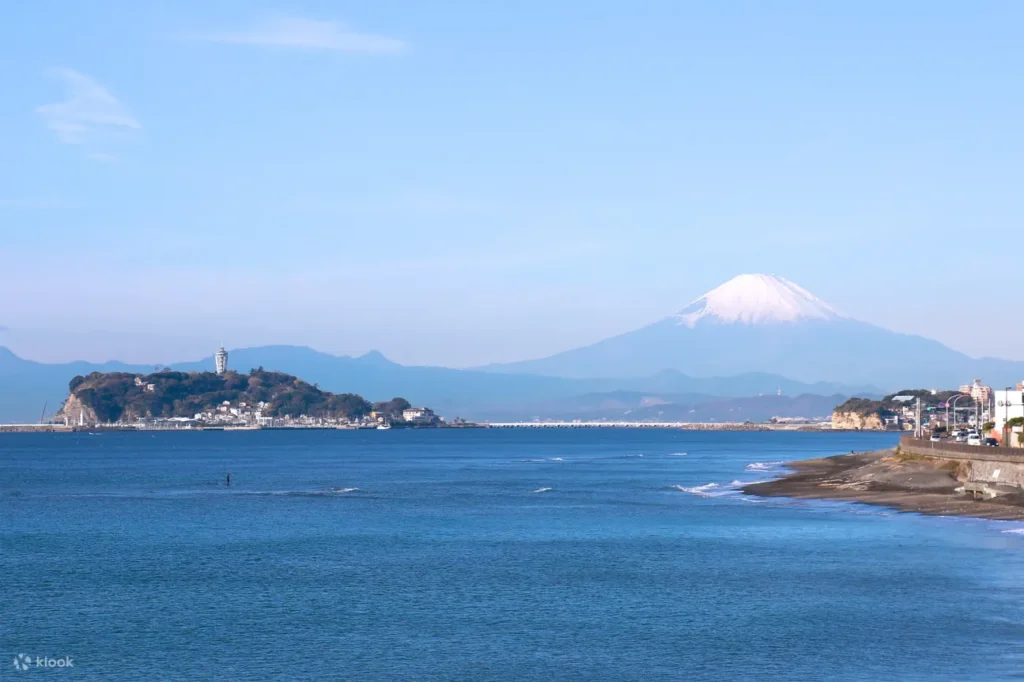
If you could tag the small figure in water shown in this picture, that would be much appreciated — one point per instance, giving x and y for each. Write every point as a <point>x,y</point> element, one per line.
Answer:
<point>228,482</point>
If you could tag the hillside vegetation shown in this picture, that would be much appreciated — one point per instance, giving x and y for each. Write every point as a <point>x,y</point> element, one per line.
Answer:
<point>118,396</point>
<point>888,406</point>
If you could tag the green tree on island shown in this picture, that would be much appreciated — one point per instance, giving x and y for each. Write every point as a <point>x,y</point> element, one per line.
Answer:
<point>114,396</point>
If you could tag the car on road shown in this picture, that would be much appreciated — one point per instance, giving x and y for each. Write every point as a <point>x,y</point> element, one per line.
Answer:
<point>935,438</point>
<point>992,442</point>
<point>974,439</point>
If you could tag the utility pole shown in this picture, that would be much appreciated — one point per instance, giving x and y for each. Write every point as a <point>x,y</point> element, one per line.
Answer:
<point>918,429</point>
<point>1006,418</point>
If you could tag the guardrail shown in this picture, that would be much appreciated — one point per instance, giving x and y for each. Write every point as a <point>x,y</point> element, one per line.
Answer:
<point>927,448</point>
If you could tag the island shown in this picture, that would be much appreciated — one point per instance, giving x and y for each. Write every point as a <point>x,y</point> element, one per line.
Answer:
<point>226,399</point>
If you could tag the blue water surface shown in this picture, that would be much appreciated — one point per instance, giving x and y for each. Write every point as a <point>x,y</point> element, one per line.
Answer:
<point>618,554</point>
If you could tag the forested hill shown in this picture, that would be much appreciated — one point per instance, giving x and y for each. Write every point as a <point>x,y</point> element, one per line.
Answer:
<point>892,403</point>
<point>115,396</point>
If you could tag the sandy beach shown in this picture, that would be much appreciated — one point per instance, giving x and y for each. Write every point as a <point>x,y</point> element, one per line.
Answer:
<point>908,484</point>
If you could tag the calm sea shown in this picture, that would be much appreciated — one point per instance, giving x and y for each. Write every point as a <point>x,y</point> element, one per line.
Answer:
<point>483,555</point>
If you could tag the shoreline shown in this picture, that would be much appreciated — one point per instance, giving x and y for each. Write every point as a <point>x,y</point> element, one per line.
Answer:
<point>680,426</point>
<point>886,479</point>
<point>18,428</point>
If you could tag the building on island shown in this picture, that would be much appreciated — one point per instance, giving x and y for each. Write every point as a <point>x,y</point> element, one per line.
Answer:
<point>419,415</point>
<point>141,384</point>
<point>221,358</point>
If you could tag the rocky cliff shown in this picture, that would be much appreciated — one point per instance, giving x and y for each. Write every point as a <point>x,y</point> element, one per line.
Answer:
<point>75,412</point>
<point>843,419</point>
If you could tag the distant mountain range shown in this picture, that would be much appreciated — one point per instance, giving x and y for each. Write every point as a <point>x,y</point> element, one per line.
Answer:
<point>25,386</point>
<point>764,323</point>
<point>737,341</point>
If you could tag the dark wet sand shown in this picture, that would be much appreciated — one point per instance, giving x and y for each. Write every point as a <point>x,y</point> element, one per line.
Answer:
<point>925,486</point>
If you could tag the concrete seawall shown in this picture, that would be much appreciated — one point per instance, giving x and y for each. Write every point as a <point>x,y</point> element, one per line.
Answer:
<point>926,448</point>
<point>1002,466</point>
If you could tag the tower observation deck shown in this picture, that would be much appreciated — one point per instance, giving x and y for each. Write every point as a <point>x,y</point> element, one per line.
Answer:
<point>221,358</point>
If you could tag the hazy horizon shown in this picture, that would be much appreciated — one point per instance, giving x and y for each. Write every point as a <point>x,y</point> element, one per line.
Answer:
<point>463,184</point>
<point>200,351</point>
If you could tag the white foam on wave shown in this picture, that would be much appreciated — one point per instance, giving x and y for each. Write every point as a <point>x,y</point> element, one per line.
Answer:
<point>298,493</point>
<point>1014,531</point>
<point>541,490</point>
<point>763,466</point>
<point>676,454</point>
<point>715,489</point>
<point>706,490</point>
<point>555,459</point>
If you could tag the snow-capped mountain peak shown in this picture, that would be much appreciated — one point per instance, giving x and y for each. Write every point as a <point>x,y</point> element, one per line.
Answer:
<point>756,299</point>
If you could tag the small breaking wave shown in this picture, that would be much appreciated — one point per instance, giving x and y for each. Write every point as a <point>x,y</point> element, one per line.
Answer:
<point>322,492</point>
<point>763,466</point>
<point>555,459</point>
<point>706,490</point>
<point>714,489</point>
<point>676,454</point>
<point>541,490</point>
<point>1014,531</point>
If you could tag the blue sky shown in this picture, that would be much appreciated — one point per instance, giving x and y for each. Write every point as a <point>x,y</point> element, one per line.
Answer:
<point>459,182</point>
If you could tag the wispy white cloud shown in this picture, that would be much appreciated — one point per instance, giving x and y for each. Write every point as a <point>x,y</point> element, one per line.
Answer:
<point>306,34</point>
<point>90,116</point>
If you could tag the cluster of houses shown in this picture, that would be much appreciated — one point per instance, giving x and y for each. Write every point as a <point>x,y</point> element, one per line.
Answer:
<point>254,415</point>
<point>994,406</point>
<point>975,405</point>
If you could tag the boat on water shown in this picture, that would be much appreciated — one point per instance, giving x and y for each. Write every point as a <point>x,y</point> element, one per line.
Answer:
<point>384,427</point>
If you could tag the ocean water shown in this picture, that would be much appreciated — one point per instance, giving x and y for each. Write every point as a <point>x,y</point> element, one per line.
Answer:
<point>483,555</point>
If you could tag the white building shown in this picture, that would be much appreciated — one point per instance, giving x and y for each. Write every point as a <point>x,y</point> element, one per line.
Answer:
<point>1008,404</point>
<point>980,393</point>
<point>418,414</point>
<point>221,358</point>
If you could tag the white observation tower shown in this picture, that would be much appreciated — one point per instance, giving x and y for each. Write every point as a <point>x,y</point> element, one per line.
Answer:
<point>221,358</point>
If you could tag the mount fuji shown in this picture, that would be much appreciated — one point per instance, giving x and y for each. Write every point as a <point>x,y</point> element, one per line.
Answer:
<point>765,323</point>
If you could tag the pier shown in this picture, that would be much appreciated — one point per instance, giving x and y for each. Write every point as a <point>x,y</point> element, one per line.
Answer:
<point>35,428</point>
